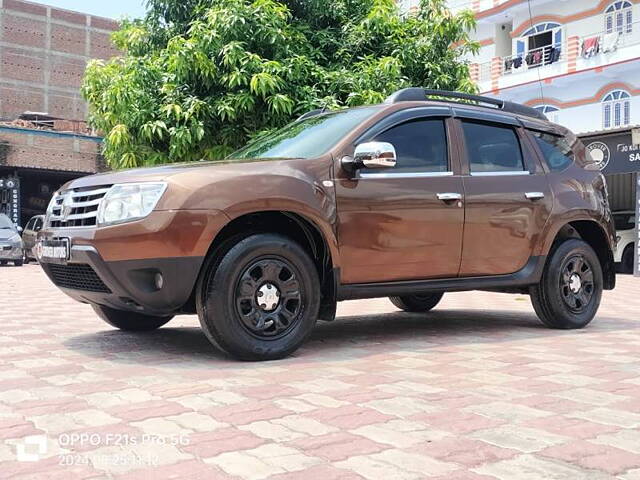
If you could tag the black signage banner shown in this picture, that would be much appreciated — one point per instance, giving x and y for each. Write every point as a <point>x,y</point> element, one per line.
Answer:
<point>615,153</point>
<point>10,198</point>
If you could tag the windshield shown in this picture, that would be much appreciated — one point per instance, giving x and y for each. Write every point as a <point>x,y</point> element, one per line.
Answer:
<point>5,222</point>
<point>624,221</point>
<point>308,138</point>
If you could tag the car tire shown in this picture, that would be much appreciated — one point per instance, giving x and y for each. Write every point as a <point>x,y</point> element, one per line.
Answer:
<point>569,293</point>
<point>267,266</point>
<point>417,303</point>
<point>130,321</point>
<point>626,264</point>
<point>18,263</point>
<point>3,262</point>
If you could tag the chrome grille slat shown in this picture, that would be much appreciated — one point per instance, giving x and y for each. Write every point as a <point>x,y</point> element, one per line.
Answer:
<point>90,193</point>
<point>77,216</point>
<point>76,208</point>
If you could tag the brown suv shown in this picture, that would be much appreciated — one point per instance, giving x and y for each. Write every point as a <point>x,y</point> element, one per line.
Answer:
<point>408,199</point>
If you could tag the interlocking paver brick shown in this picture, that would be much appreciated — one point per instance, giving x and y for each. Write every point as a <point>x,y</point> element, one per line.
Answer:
<point>475,390</point>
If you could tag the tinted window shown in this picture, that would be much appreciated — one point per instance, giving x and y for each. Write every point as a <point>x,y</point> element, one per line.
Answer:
<point>30,224</point>
<point>624,221</point>
<point>38,225</point>
<point>492,148</point>
<point>556,151</point>
<point>307,138</point>
<point>421,145</point>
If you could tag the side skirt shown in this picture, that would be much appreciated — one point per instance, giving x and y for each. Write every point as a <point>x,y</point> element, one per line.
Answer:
<point>530,274</point>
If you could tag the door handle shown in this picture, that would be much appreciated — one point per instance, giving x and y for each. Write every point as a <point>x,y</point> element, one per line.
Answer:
<point>449,197</point>
<point>534,195</point>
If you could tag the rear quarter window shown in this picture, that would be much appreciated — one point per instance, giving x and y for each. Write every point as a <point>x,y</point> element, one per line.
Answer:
<point>556,151</point>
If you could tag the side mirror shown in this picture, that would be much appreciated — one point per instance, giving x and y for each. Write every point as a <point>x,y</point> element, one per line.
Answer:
<point>370,155</point>
<point>20,229</point>
<point>375,155</point>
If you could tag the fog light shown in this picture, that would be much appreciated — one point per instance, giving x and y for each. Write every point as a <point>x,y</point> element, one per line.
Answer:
<point>159,281</point>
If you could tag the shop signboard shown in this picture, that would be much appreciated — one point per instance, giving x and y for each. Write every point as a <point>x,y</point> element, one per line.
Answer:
<point>10,198</point>
<point>614,153</point>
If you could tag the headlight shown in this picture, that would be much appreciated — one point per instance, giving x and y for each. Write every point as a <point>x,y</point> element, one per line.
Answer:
<point>129,201</point>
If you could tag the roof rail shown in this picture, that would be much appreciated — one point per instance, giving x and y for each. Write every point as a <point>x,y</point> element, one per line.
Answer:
<point>415,94</point>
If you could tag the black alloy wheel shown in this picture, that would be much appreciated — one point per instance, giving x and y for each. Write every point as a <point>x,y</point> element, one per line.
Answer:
<point>576,283</point>
<point>258,296</point>
<point>269,297</point>
<point>570,290</point>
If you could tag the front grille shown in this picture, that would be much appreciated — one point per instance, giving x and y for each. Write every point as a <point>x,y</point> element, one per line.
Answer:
<point>76,208</point>
<point>78,276</point>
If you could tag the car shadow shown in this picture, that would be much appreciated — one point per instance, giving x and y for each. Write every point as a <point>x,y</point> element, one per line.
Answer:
<point>347,337</point>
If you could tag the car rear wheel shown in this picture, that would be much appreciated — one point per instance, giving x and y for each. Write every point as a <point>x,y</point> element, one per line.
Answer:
<point>626,265</point>
<point>3,262</point>
<point>259,299</point>
<point>130,321</point>
<point>18,263</point>
<point>418,303</point>
<point>569,293</point>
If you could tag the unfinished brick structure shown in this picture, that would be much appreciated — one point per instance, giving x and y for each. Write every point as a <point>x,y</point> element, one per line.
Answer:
<point>43,54</point>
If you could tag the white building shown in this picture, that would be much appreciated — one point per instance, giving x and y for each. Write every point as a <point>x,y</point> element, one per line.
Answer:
<point>576,60</point>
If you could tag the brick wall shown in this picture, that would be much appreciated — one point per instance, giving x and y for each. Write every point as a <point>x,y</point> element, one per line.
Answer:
<point>43,54</point>
<point>20,147</point>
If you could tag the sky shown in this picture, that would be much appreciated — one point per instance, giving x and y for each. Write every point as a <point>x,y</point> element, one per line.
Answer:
<point>104,8</point>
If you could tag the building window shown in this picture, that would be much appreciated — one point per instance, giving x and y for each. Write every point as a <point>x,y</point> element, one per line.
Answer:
<point>618,17</point>
<point>616,109</point>
<point>540,45</point>
<point>550,111</point>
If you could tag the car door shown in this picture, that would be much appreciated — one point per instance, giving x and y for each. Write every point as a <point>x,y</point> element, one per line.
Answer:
<point>507,195</point>
<point>405,222</point>
<point>29,233</point>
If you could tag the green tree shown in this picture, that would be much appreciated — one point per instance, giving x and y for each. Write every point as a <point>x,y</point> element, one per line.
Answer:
<point>198,78</point>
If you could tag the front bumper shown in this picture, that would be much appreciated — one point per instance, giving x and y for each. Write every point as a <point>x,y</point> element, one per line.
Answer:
<point>117,266</point>
<point>126,284</point>
<point>10,253</point>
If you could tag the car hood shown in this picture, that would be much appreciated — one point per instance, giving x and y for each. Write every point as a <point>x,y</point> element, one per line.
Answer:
<point>164,172</point>
<point>6,233</point>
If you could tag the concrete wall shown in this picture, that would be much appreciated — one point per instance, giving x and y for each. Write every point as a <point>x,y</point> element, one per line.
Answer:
<point>43,54</point>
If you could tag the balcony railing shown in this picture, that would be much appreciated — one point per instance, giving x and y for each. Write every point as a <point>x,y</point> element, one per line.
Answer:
<point>534,58</point>
<point>588,46</point>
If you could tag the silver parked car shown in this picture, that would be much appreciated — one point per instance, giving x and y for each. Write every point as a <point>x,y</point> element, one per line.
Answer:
<point>10,242</point>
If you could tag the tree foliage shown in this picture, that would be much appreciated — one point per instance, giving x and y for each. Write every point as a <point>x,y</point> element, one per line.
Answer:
<point>198,78</point>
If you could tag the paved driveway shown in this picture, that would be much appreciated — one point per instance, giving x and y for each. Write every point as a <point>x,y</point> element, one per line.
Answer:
<point>477,389</point>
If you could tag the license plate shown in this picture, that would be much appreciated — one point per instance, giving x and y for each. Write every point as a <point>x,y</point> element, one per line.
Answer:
<point>54,249</point>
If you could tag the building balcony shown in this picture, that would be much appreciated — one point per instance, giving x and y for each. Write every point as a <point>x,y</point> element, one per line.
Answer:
<point>575,54</point>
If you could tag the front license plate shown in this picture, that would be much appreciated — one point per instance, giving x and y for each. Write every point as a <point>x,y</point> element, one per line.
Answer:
<point>57,249</point>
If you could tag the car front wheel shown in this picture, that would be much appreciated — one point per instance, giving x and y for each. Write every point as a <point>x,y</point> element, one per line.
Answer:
<point>569,293</point>
<point>259,299</point>
<point>130,321</point>
<point>417,303</point>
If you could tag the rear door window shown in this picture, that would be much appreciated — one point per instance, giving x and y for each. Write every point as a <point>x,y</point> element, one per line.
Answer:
<point>492,148</point>
<point>556,150</point>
